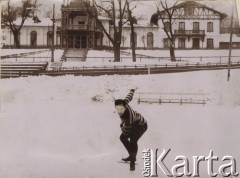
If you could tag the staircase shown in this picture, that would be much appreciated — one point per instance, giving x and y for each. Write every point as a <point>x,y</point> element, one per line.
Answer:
<point>75,55</point>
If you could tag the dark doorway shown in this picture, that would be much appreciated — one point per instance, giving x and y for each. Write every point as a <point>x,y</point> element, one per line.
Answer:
<point>70,41</point>
<point>83,42</point>
<point>77,42</point>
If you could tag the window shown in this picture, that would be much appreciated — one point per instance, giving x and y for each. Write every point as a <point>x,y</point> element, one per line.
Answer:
<point>181,25</point>
<point>181,43</point>
<point>196,26</point>
<point>167,26</point>
<point>210,27</point>
<point>33,38</point>
<point>210,43</point>
<point>150,40</point>
<point>81,23</point>
<point>166,43</point>
<point>189,11</point>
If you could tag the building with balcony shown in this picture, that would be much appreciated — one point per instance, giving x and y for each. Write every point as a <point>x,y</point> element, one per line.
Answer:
<point>78,29</point>
<point>195,26</point>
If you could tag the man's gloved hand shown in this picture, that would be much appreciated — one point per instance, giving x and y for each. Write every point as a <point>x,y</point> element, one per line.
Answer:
<point>134,89</point>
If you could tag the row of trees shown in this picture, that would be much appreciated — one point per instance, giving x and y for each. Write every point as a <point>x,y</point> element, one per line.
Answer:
<point>119,12</point>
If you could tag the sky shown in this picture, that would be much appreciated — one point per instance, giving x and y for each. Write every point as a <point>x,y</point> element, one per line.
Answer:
<point>224,6</point>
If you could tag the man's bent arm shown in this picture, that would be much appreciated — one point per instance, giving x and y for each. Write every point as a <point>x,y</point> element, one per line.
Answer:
<point>129,97</point>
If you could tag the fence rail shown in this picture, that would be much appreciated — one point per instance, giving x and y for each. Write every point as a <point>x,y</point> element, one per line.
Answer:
<point>19,58</point>
<point>22,68</point>
<point>172,98</point>
<point>19,55</point>
<point>151,66</point>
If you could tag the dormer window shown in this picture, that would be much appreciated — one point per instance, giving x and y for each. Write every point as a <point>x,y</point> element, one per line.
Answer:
<point>189,11</point>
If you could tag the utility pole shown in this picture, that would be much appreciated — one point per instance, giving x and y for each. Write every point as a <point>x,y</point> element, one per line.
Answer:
<point>230,49</point>
<point>53,33</point>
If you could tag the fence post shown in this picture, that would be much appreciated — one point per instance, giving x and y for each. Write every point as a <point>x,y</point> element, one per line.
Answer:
<point>138,100</point>
<point>149,72</point>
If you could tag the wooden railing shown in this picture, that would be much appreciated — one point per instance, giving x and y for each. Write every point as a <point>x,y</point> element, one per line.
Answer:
<point>189,32</point>
<point>173,98</point>
<point>18,69</point>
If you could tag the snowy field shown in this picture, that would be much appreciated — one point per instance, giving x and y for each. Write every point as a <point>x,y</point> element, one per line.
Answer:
<point>66,127</point>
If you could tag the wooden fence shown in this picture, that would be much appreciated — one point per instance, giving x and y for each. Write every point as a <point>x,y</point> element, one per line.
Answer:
<point>173,98</point>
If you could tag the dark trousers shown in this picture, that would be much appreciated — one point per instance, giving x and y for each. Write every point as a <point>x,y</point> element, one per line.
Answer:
<point>130,141</point>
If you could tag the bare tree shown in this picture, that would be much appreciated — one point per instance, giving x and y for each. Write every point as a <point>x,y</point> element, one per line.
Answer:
<point>132,20</point>
<point>167,18</point>
<point>11,12</point>
<point>48,12</point>
<point>115,11</point>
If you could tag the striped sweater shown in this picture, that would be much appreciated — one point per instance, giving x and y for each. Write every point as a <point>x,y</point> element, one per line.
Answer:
<point>130,118</point>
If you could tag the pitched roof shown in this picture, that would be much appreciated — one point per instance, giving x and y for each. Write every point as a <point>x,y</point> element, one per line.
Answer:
<point>196,4</point>
<point>30,22</point>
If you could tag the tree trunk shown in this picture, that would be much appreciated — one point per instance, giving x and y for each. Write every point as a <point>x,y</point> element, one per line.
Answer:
<point>16,40</point>
<point>117,55</point>
<point>172,53</point>
<point>133,44</point>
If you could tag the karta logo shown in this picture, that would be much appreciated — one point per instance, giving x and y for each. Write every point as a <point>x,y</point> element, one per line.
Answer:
<point>153,162</point>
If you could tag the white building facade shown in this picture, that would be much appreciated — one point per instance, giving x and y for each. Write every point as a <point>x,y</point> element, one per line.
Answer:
<point>195,26</point>
<point>32,35</point>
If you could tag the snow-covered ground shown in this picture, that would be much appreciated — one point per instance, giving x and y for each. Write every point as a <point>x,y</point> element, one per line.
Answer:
<point>43,56</point>
<point>4,52</point>
<point>66,127</point>
<point>99,58</point>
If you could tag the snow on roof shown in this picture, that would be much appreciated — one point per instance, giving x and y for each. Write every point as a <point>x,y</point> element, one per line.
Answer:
<point>30,22</point>
<point>103,18</point>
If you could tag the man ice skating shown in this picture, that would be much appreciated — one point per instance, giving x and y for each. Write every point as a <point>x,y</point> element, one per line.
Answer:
<point>133,126</point>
